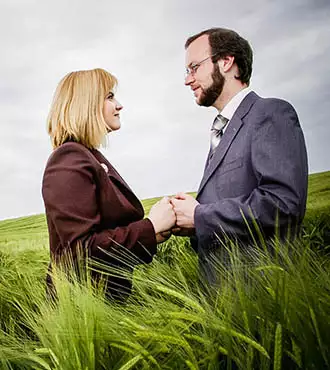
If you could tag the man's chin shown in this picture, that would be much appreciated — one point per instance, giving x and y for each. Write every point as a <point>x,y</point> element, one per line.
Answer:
<point>204,101</point>
<point>199,100</point>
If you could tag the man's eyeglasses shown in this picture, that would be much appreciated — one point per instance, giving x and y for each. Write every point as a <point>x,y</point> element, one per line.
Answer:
<point>194,67</point>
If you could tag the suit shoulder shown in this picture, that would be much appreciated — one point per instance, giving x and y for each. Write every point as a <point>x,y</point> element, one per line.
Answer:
<point>71,147</point>
<point>273,104</point>
<point>68,151</point>
<point>70,163</point>
<point>274,110</point>
<point>72,157</point>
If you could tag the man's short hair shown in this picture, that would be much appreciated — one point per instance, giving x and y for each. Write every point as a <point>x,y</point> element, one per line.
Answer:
<point>225,42</point>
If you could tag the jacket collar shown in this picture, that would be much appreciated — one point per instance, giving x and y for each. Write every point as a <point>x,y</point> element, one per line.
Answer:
<point>233,127</point>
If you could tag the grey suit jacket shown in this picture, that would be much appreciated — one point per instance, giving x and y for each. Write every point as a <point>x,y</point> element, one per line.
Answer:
<point>260,166</point>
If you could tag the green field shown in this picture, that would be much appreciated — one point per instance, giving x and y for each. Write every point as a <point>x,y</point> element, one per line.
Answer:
<point>35,227</point>
<point>271,312</point>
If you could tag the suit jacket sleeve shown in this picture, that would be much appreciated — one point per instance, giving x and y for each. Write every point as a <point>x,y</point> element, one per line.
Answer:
<point>70,194</point>
<point>279,162</point>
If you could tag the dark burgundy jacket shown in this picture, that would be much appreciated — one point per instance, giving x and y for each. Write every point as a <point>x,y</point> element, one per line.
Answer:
<point>87,201</point>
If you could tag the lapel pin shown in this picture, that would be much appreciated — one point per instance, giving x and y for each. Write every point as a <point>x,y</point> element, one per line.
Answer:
<point>105,167</point>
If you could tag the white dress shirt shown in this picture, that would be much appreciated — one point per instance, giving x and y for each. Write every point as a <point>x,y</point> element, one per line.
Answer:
<point>230,108</point>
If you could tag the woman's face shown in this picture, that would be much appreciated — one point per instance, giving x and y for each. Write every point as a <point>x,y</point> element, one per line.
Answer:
<point>111,109</point>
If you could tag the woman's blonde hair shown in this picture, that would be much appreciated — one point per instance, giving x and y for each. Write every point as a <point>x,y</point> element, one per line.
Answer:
<point>76,110</point>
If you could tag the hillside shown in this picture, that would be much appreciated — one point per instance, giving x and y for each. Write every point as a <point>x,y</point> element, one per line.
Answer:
<point>35,226</point>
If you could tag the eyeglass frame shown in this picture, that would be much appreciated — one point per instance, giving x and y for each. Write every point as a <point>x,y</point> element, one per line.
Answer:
<point>194,67</point>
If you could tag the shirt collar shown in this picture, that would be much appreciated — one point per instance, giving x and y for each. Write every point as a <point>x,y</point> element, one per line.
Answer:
<point>230,108</point>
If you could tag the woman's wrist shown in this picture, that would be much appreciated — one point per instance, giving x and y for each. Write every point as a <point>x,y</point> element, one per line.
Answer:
<point>154,225</point>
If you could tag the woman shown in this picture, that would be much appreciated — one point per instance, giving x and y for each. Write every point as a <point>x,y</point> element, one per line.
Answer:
<point>87,202</point>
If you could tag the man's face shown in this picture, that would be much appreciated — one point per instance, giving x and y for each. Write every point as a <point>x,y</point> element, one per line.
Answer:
<point>205,78</point>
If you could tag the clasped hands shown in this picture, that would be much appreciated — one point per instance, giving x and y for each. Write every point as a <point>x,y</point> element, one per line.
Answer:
<point>173,215</point>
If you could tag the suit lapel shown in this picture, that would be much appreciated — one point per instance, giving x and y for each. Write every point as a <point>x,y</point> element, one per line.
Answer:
<point>228,136</point>
<point>112,172</point>
<point>221,150</point>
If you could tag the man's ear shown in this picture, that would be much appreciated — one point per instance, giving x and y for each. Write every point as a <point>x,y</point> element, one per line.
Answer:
<point>226,63</point>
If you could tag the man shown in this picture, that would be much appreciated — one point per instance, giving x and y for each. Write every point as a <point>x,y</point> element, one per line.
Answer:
<point>257,164</point>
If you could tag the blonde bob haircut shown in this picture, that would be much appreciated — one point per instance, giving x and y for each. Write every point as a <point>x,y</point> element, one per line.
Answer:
<point>76,113</point>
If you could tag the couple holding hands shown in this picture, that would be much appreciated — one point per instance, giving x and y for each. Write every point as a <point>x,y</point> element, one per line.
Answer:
<point>256,170</point>
<point>174,215</point>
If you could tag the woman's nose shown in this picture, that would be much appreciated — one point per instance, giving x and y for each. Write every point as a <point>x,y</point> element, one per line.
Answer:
<point>119,106</point>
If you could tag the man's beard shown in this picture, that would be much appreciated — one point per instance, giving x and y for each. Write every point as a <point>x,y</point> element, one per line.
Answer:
<point>211,94</point>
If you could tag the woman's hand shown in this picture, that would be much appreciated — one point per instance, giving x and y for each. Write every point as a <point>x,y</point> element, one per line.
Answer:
<point>162,215</point>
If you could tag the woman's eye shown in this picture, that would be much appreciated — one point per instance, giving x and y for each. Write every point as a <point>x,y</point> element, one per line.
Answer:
<point>110,96</point>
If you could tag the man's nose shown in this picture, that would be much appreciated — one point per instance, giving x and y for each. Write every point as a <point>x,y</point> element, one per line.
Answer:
<point>188,79</point>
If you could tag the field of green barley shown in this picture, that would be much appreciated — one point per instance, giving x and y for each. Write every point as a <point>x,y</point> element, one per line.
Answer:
<point>270,312</point>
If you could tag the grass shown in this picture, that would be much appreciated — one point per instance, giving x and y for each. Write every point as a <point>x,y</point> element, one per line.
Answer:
<point>318,195</point>
<point>270,312</point>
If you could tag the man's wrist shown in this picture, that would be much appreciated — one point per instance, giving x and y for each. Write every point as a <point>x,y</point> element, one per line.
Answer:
<point>197,213</point>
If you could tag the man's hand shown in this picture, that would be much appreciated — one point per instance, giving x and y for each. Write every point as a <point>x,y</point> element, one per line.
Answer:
<point>181,231</point>
<point>163,236</point>
<point>184,207</point>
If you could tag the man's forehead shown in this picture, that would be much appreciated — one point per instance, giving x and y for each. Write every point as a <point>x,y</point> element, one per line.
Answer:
<point>198,50</point>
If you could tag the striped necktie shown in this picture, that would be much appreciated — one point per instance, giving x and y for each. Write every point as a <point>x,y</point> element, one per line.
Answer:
<point>217,131</point>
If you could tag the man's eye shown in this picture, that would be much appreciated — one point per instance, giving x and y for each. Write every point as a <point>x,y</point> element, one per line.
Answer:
<point>194,67</point>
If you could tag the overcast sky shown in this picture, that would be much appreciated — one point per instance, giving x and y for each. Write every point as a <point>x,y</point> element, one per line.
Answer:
<point>164,139</point>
